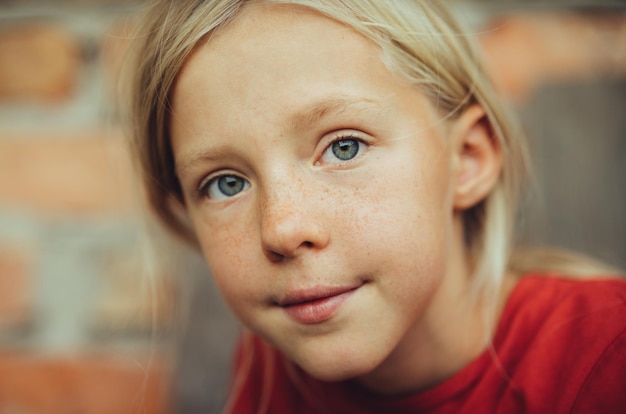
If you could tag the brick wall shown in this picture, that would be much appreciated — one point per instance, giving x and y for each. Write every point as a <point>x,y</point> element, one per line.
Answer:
<point>85,312</point>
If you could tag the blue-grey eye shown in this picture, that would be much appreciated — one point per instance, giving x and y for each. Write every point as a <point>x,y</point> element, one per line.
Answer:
<point>226,186</point>
<point>345,149</point>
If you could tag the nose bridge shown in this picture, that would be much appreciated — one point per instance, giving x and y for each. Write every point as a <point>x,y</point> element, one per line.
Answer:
<point>290,220</point>
<point>282,202</point>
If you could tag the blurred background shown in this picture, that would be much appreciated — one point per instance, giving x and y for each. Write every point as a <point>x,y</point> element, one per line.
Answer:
<point>92,320</point>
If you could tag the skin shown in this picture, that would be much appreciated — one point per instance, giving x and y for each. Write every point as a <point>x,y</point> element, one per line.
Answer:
<point>263,100</point>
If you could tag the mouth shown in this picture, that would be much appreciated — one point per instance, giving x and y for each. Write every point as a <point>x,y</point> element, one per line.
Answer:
<point>312,306</point>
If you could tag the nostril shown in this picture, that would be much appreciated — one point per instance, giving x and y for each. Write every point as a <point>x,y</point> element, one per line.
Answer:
<point>275,257</point>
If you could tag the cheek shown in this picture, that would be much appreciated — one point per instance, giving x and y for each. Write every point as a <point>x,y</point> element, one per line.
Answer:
<point>409,213</point>
<point>413,187</point>
<point>229,253</point>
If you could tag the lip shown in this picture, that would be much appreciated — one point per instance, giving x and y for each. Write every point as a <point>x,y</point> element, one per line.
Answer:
<point>316,305</point>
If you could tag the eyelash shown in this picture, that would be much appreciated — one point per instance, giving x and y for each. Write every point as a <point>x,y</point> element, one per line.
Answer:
<point>204,188</point>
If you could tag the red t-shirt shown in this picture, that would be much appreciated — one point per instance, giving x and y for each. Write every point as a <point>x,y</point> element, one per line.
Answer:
<point>560,345</point>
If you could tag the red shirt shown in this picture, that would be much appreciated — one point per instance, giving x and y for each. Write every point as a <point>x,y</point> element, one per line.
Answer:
<point>560,345</point>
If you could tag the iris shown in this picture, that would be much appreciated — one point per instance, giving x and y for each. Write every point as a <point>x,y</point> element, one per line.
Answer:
<point>345,149</point>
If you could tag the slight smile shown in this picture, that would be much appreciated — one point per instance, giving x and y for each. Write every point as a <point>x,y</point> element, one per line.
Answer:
<point>316,305</point>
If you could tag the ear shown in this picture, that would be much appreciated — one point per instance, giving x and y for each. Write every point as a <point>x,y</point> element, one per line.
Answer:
<point>478,158</point>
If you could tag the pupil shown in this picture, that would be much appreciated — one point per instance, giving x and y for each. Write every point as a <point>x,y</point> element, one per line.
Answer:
<point>230,185</point>
<point>345,149</point>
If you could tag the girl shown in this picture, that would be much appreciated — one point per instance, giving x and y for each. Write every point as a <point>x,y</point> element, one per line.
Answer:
<point>351,180</point>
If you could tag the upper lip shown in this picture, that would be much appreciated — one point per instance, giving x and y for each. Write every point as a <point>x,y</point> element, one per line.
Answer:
<point>298,296</point>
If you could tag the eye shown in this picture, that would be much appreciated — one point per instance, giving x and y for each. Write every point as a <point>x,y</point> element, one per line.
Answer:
<point>224,186</point>
<point>343,149</point>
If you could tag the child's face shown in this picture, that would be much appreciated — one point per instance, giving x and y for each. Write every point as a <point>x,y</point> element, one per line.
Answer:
<point>319,186</point>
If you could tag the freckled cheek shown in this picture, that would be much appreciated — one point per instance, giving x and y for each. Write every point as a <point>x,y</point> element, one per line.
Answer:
<point>403,210</point>
<point>239,290</point>
<point>231,258</point>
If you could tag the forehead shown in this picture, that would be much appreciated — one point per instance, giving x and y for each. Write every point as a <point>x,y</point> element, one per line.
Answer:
<point>269,45</point>
<point>274,27</point>
<point>273,67</point>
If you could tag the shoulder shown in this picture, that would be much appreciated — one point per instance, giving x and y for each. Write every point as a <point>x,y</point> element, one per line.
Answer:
<point>564,339</point>
<point>556,289</point>
<point>604,389</point>
<point>557,310</point>
<point>558,305</point>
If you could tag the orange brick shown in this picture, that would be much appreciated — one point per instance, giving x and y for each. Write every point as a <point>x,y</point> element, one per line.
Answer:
<point>524,51</point>
<point>16,279</point>
<point>114,46</point>
<point>38,62</point>
<point>72,173</point>
<point>83,384</point>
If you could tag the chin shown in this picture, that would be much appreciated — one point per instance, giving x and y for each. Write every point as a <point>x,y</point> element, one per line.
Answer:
<point>338,368</point>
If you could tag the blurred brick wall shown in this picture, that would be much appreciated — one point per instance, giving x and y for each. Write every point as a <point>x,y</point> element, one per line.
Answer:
<point>81,330</point>
<point>77,312</point>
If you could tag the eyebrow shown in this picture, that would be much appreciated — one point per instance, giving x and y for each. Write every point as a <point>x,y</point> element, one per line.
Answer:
<point>188,159</point>
<point>301,121</point>
<point>335,106</point>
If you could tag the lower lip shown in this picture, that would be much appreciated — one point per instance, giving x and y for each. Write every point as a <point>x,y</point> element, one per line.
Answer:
<point>317,311</point>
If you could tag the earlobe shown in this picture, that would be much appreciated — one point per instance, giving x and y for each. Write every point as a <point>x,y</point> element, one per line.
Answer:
<point>479,158</point>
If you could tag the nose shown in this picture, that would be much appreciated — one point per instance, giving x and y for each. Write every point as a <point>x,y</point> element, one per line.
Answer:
<point>291,223</point>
